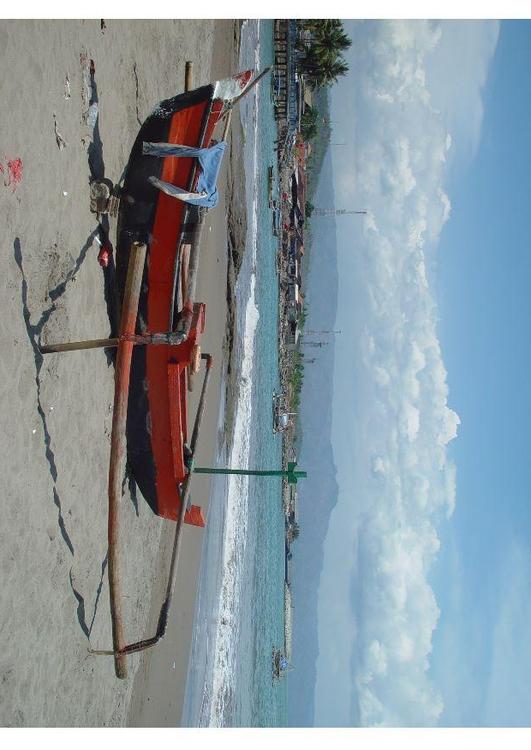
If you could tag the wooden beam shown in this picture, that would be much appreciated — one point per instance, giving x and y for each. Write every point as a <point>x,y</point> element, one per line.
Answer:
<point>137,258</point>
<point>74,346</point>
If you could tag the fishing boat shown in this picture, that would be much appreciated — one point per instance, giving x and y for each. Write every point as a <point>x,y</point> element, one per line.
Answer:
<point>270,186</point>
<point>280,664</point>
<point>282,417</point>
<point>169,184</point>
<point>277,220</point>
<point>162,205</point>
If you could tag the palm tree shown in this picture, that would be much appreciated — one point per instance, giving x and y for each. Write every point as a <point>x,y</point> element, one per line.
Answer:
<point>322,60</point>
<point>328,31</point>
<point>323,71</point>
<point>331,45</point>
<point>332,69</point>
<point>335,40</point>
<point>309,120</point>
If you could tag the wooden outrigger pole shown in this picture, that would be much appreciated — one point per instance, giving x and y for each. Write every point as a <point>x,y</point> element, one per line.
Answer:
<point>118,456</point>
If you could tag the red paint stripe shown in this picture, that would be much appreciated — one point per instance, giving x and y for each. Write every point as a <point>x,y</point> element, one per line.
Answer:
<point>185,129</point>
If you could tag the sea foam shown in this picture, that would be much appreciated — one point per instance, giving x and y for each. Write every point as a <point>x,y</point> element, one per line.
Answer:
<point>235,531</point>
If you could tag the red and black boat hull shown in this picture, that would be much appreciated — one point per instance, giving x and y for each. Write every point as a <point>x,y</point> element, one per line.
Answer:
<point>147,215</point>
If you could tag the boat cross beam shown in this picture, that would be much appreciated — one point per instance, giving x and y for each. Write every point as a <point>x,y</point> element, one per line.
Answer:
<point>171,338</point>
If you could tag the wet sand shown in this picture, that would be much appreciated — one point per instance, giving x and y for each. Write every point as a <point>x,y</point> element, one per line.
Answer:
<point>57,410</point>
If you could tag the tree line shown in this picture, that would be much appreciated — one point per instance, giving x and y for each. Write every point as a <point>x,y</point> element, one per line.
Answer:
<point>321,48</point>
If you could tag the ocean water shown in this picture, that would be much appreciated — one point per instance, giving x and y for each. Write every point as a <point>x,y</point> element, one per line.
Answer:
<point>239,616</point>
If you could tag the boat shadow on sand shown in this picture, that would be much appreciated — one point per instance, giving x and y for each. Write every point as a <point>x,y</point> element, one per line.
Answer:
<point>34,332</point>
<point>101,235</point>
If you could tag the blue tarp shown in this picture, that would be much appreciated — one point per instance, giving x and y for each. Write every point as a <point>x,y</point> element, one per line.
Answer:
<point>210,160</point>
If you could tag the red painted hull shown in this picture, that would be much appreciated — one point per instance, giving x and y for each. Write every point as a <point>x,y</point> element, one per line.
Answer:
<point>157,412</point>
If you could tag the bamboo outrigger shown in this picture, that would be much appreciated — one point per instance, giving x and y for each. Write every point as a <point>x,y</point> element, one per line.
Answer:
<point>157,346</point>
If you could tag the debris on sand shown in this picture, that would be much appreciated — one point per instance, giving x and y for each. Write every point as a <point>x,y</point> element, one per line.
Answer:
<point>14,168</point>
<point>61,143</point>
<point>86,83</point>
<point>14,172</point>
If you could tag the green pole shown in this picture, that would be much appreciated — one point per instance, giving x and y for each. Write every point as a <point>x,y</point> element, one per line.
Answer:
<point>290,474</point>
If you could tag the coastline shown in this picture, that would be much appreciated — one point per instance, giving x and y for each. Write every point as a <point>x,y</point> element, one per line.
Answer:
<point>239,613</point>
<point>236,233</point>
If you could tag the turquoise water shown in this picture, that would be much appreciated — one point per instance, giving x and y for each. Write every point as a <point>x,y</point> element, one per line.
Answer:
<point>239,617</point>
<point>268,699</point>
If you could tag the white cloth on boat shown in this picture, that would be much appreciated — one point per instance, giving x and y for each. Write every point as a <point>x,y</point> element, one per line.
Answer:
<point>210,160</point>
<point>177,192</point>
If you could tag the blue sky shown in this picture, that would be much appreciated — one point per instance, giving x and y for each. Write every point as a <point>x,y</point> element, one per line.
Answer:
<point>424,599</point>
<point>481,651</point>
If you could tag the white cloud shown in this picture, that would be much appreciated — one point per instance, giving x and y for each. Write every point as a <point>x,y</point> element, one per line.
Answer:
<point>380,466</point>
<point>409,421</point>
<point>377,658</point>
<point>401,146</point>
<point>450,422</point>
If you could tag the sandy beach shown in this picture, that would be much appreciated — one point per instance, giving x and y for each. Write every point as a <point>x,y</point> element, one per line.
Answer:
<point>57,411</point>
